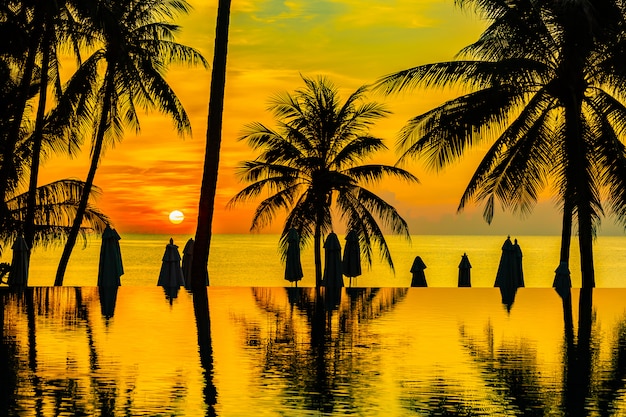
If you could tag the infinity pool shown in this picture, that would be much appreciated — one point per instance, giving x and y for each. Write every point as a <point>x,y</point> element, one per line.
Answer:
<point>296,352</point>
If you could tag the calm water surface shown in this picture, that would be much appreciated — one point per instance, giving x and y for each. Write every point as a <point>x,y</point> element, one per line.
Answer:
<point>271,351</point>
<point>253,260</point>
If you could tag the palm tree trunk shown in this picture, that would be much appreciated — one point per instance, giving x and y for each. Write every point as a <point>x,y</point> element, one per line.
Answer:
<point>318,254</point>
<point>84,198</point>
<point>202,244</point>
<point>581,198</point>
<point>585,242</point>
<point>7,170</point>
<point>566,233</point>
<point>31,200</point>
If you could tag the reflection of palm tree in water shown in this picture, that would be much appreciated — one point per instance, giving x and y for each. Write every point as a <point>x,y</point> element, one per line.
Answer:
<point>205,347</point>
<point>589,387</point>
<point>67,311</point>
<point>510,372</point>
<point>588,384</point>
<point>326,371</point>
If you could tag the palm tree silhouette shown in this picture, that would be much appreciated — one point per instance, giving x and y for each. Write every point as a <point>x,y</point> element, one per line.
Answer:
<point>206,205</point>
<point>60,26</point>
<point>544,80</point>
<point>314,160</point>
<point>137,46</point>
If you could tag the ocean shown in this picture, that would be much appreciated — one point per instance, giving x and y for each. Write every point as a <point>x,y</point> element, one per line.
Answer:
<point>253,260</point>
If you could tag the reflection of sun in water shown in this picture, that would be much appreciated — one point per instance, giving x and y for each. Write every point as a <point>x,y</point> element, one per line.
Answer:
<point>177,217</point>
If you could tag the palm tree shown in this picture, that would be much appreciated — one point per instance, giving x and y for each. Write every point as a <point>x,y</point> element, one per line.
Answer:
<point>200,260</point>
<point>56,205</point>
<point>543,86</point>
<point>60,26</point>
<point>314,161</point>
<point>137,46</point>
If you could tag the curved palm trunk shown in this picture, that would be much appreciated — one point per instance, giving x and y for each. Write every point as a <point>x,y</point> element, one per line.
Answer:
<point>84,198</point>
<point>31,200</point>
<point>200,260</point>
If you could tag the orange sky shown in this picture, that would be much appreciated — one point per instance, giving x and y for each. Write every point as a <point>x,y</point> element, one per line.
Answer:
<point>271,43</point>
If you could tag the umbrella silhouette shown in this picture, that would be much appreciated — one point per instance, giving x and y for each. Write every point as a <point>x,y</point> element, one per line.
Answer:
<point>186,264</point>
<point>293,265</point>
<point>18,274</point>
<point>464,272</point>
<point>562,281</point>
<point>333,273</point>
<point>110,267</point>
<point>187,259</point>
<point>419,278</point>
<point>510,274</point>
<point>171,275</point>
<point>352,256</point>
<point>519,271</point>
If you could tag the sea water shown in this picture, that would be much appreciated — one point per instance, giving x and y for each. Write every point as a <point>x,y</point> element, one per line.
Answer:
<point>306,352</point>
<point>254,260</point>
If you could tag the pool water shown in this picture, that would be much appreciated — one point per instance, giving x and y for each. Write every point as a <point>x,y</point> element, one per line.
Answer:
<point>275,351</point>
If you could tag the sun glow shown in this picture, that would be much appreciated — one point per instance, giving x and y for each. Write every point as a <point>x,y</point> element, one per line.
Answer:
<point>176,217</point>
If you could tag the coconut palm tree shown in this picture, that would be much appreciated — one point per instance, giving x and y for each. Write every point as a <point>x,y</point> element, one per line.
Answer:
<point>62,25</point>
<point>543,85</point>
<point>314,161</point>
<point>137,46</point>
<point>56,204</point>
<point>206,205</point>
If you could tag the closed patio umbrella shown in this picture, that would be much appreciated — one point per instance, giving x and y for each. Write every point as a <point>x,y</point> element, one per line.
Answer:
<point>186,264</point>
<point>187,260</point>
<point>171,274</point>
<point>510,274</point>
<point>562,280</point>
<point>519,270</point>
<point>464,272</point>
<point>333,274</point>
<point>293,264</point>
<point>110,267</point>
<point>18,273</point>
<point>351,262</point>
<point>419,277</point>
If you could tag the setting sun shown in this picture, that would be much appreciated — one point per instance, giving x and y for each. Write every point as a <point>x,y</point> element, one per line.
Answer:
<point>176,217</point>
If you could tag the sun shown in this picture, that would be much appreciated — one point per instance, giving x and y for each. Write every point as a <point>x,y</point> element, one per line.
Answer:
<point>177,217</point>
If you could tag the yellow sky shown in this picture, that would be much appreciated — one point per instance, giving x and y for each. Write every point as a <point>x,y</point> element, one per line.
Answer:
<point>271,43</point>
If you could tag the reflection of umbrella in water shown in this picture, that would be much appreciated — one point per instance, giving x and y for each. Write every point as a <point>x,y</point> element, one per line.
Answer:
<point>333,274</point>
<point>508,296</point>
<point>171,275</point>
<point>562,281</point>
<point>464,272</point>
<point>110,268</point>
<point>108,298</point>
<point>419,278</point>
<point>171,293</point>
<point>18,274</point>
<point>293,265</point>
<point>351,263</point>
<point>510,274</point>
